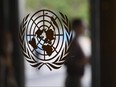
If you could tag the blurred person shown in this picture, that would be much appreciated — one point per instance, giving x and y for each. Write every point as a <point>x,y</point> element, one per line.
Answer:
<point>7,77</point>
<point>76,60</point>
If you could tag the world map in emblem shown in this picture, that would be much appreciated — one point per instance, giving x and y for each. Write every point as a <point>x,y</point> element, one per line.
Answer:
<point>44,38</point>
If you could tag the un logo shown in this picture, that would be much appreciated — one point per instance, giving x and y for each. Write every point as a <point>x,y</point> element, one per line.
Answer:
<point>45,39</point>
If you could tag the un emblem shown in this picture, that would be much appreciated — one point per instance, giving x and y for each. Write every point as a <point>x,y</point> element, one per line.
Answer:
<point>45,39</point>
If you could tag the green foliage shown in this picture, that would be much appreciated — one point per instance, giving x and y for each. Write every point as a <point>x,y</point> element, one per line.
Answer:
<point>72,8</point>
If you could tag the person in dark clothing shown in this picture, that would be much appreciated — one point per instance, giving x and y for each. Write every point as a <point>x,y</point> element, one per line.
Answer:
<point>76,60</point>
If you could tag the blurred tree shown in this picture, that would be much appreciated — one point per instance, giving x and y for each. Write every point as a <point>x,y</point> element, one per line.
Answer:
<point>72,8</point>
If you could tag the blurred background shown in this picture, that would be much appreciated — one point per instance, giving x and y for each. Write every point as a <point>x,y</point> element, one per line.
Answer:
<point>73,9</point>
<point>92,20</point>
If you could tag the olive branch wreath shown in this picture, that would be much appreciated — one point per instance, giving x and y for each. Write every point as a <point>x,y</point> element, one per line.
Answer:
<point>56,64</point>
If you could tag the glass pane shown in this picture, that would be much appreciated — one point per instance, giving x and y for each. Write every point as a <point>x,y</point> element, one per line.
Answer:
<point>74,9</point>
